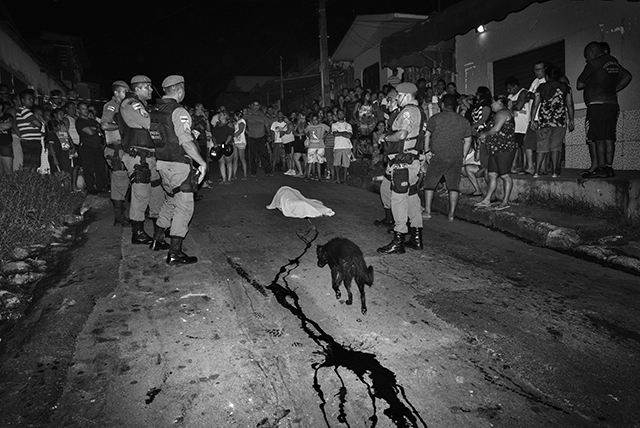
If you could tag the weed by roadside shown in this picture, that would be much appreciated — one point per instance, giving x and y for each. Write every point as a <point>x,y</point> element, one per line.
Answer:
<point>30,206</point>
<point>617,221</point>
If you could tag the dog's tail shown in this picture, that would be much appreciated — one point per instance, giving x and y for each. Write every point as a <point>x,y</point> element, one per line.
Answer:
<point>368,276</point>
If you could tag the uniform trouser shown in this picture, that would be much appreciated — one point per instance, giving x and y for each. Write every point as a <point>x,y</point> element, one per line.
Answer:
<point>407,207</point>
<point>258,150</point>
<point>93,167</point>
<point>143,195</point>
<point>385,193</point>
<point>177,210</point>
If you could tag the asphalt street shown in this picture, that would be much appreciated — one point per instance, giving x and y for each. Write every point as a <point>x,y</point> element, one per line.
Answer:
<point>477,330</point>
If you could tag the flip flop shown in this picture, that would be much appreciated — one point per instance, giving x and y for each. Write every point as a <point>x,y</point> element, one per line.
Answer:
<point>482,205</point>
<point>502,207</point>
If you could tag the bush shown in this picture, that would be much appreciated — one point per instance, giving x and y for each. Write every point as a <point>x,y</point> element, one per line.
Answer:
<point>31,205</point>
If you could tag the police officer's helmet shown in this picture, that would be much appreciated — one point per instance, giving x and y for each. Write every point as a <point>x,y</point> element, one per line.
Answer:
<point>227,149</point>
<point>216,153</point>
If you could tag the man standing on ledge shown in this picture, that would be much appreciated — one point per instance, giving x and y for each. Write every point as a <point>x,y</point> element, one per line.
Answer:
<point>602,78</point>
<point>404,166</point>
<point>175,148</point>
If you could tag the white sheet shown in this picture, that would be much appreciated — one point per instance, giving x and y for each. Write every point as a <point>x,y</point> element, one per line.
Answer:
<point>292,204</point>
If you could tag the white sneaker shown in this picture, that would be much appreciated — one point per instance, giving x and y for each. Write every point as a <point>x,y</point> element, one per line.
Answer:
<point>290,172</point>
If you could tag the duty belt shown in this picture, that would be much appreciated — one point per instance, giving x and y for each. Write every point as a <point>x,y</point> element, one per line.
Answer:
<point>143,153</point>
<point>403,158</point>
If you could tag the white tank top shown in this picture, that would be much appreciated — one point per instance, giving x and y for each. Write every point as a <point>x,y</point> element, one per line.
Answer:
<point>521,117</point>
<point>73,132</point>
<point>240,139</point>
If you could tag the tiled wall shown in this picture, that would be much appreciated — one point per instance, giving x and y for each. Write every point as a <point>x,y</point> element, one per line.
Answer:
<point>627,154</point>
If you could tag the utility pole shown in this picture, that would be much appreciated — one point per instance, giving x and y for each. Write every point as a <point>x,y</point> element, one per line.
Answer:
<point>281,86</point>
<point>324,53</point>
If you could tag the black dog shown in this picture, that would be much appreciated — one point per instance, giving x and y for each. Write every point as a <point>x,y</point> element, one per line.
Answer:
<point>346,262</point>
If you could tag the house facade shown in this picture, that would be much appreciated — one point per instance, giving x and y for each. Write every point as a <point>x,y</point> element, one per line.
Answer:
<point>557,31</point>
<point>519,33</point>
<point>20,66</point>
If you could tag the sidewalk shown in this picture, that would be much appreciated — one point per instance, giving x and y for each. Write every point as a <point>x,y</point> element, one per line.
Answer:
<point>548,229</point>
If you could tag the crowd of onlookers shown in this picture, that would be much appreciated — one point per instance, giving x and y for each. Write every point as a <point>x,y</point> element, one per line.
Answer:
<point>314,142</point>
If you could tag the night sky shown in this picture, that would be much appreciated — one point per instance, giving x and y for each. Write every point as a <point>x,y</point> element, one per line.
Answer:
<point>207,41</point>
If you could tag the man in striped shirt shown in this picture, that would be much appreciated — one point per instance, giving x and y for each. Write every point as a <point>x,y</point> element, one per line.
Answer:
<point>30,132</point>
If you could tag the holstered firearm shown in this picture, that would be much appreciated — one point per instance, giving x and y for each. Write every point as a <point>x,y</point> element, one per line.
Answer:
<point>190,184</point>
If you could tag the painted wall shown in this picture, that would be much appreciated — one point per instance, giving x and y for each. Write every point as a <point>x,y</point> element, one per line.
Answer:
<point>23,66</point>
<point>577,23</point>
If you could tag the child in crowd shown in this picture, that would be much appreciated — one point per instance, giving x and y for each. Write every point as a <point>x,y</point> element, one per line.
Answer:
<point>378,133</point>
<point>315,133</point>
<point>329,142</point>
<point>59,146</point>
<point>342,131</point>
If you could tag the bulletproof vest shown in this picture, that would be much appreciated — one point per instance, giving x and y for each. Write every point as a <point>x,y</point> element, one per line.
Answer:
<point>162,132</point>
<point>416,142</point>
<point>137,137</point>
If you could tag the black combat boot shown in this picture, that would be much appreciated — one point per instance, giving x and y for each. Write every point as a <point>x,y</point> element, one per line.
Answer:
<point>386,221</point>
<point>158,238</point>
<point>415,238</point>
<point>139,236</point>
<point>396,246</point>
<point>176,256</point>
<point>119,218</point>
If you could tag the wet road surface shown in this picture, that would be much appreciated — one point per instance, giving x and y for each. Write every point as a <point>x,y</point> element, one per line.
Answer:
<point>477,330</point>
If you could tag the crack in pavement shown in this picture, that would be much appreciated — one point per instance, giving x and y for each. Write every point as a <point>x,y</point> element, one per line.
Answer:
<point>382,382</point>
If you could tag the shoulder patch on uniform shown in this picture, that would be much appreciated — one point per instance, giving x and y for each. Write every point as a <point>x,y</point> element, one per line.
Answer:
<point>140,108</point>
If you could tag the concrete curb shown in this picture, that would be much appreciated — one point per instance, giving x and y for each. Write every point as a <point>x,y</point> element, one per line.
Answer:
<point>543,234</point>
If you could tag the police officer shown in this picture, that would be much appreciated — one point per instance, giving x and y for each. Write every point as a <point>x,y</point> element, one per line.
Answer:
<point>140,158</point>
<point>391,113</point>
<point>113,152</point>
<point>403,168</point>
<point>175,149</point>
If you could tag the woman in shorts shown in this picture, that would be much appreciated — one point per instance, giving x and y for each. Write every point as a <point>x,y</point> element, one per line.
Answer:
<point>299,150</point>
<point>499,139</point>
<point>240,144</point>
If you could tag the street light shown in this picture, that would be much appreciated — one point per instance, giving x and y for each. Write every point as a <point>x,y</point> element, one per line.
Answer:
<point>481,29</point>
